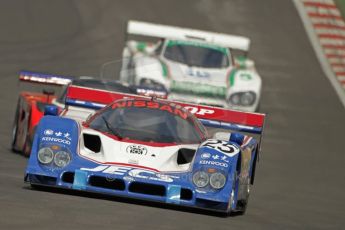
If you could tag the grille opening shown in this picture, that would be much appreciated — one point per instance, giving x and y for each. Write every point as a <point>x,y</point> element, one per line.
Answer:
<point>68,177</point>
<point>210,203</point>
<point>109,183</point>
<point>186,194</point>
<point>40,179</point>
<point>92,142</point>
<point>148,189</point>
<point>185,156</point>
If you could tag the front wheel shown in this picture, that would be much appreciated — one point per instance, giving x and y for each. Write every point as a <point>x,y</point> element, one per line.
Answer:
<point>240,195</point>
<point>245,192</point>
<point>232,195</point>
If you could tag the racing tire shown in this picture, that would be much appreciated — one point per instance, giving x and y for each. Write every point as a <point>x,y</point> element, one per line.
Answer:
<point>242,204</point>
<point>28,142</point>
<point>15,130</point>
<point>27,146</point>
<point>229,212</point>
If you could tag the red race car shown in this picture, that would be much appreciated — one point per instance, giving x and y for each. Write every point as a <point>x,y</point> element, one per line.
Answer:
<point>31,105</point>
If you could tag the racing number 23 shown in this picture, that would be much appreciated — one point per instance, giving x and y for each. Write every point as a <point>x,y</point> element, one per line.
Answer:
<point>222,146</point>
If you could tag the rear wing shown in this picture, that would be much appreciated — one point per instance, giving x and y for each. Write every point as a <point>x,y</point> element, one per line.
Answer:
<point>41,78</point>
<point>178,33</point>
<point>209,116</point>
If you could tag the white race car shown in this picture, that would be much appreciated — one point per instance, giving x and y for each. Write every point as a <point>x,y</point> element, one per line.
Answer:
<point>192,66</point>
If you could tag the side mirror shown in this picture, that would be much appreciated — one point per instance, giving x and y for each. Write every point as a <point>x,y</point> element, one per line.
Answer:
<point>234,137</point>
<point>224,136</point>
<point>51,110</point>
<point>243,62</point>
<point>237,138</point>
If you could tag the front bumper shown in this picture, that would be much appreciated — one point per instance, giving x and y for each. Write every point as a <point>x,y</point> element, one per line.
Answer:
<point>178,193</point>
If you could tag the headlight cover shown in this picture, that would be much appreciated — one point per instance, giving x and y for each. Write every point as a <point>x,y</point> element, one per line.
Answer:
<point>45,155</point>
<point>243,98</point>
<point>62,159</point>
<point>217,180</point>
<point>201,179</point>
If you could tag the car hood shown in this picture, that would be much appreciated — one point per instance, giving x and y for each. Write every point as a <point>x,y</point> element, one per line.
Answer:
<point>161,157</point>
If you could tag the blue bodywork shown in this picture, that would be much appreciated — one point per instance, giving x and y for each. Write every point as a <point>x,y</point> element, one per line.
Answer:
<point>129,180</point>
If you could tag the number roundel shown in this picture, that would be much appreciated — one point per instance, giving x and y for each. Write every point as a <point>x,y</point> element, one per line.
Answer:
<point>221,146</point>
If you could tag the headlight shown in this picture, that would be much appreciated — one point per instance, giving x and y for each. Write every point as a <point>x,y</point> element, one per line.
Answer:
<point>45,155</point>
<point>62,159</point>
<point>201,179</point>
<point>242,98</point>
<point>247,98</point>
<point>217,180</point>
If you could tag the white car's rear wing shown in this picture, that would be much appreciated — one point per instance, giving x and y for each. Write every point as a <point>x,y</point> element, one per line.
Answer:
<point>178,33</point>
<point>209,116</point>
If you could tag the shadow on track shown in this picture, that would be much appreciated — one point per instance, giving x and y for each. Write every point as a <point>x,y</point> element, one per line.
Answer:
<point>131,201</point>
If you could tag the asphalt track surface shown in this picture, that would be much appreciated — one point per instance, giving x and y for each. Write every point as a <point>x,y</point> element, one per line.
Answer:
<point>300,178</point>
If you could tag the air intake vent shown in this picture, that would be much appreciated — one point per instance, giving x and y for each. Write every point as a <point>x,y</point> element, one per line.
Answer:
<point>186,194</point>
<point>185,156</point>
<point>68,177</point>
<point>92,142</point>
<point>147,189</point>
<point>108,183</point>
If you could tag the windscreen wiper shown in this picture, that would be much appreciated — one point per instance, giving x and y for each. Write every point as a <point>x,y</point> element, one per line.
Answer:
<point>112,129</point>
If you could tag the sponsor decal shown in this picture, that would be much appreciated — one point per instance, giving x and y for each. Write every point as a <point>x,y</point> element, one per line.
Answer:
<point>132,173</point>
<point>206,155</point>
<point>59,134</point>
<point>198,89</point>
<point>151,105</point>
<point>136,149</point>
<point>215,163</point>
<point>197,73</point>
<point>246,76</point>
<point>218,157</point>
<point>149,175</point>
<point>48,132</point>
<point>128,178</point>
<point>54,139</point>
<point>222,146</point>
<point>199,111</point>
<point>67,136</point>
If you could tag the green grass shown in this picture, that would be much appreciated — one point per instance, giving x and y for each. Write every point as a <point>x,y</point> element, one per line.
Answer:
<point>341,6</point>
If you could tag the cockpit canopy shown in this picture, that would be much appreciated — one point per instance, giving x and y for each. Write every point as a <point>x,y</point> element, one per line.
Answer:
<point>148,121</point>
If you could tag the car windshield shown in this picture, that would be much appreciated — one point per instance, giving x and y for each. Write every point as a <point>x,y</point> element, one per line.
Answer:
<point>148,121</point>
<point>197,54</point>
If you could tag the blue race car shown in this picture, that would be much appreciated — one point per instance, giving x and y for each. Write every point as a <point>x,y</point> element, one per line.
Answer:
<point>148,148</point>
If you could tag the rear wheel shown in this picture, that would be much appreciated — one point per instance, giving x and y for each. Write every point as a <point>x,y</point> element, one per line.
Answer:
<point>15,130</point>
<point>28,142</point>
